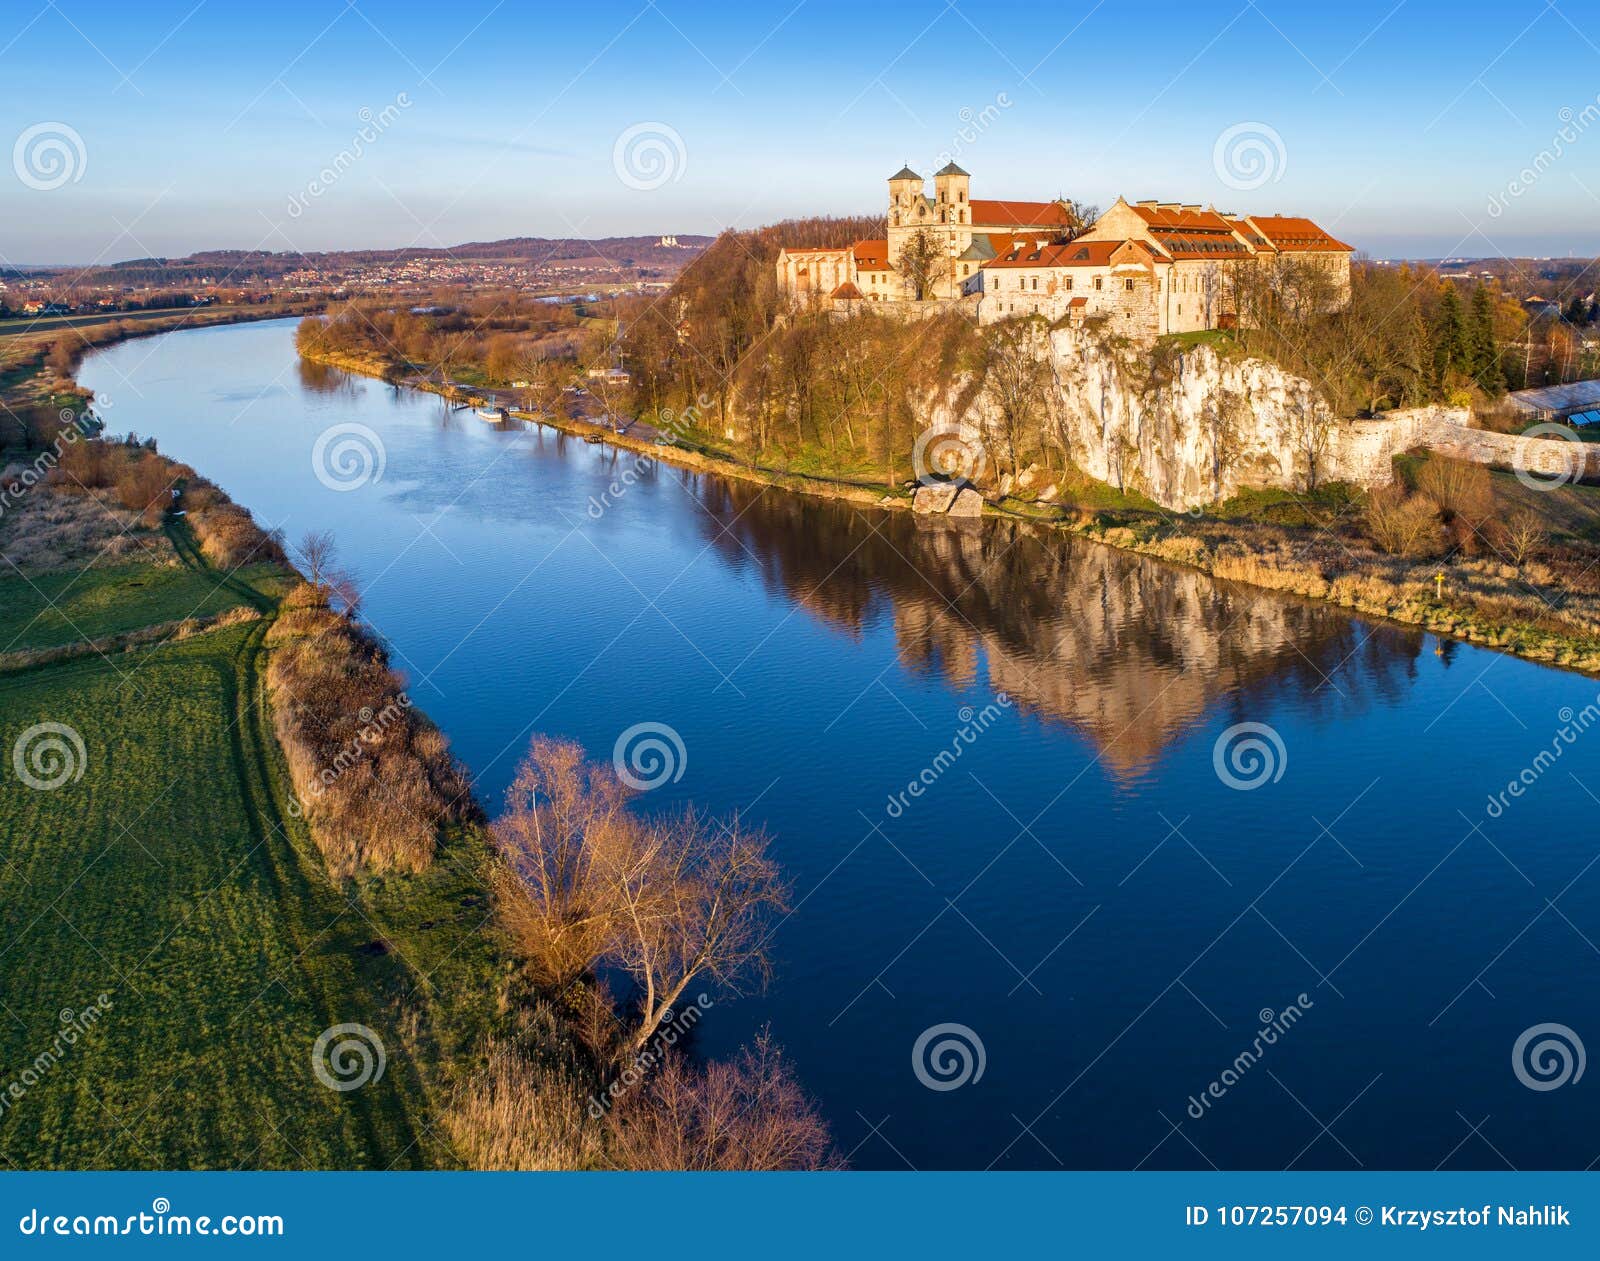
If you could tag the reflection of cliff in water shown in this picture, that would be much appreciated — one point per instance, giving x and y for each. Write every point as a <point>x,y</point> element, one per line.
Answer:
<point>1127,650</point>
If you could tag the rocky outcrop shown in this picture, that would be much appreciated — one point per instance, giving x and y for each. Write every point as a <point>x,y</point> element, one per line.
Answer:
<point>1191,426</point>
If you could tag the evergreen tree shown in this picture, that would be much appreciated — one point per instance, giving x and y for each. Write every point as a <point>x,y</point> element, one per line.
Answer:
<point>1483,351</point>
<point>1449,336</point>
<point>1577,312</point>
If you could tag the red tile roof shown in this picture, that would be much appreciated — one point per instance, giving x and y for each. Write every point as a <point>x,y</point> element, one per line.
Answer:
<point>1180,220</point>
<point>1074,254</point>
<point>1286,232</point>
<point>1018,214</point>
<point>846,290</point>
<point>872,255</point>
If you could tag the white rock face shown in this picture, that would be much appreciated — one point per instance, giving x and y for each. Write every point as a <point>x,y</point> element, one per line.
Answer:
<point>1192,427</point>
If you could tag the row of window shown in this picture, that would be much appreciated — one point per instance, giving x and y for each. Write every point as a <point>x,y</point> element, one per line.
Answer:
<point>1032,282</point>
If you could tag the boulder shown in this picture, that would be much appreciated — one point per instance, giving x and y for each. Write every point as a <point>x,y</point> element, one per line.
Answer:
<point>969,503</point>
<point>934,498</point>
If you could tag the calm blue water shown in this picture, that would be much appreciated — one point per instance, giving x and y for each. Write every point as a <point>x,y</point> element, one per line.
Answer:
<point>1079,888</point>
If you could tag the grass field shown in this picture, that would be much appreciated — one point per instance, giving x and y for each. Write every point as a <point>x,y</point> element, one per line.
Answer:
<point>169,875</point>
<point>45,610</point>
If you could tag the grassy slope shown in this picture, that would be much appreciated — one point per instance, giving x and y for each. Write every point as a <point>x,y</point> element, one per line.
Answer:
<point>171,878</point>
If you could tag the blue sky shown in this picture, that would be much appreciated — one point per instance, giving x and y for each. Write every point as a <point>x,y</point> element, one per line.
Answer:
<point>1402,126</point>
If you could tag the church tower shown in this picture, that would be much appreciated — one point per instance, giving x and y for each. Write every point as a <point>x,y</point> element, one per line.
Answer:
<point>905,187</point>
<point>950,188</point>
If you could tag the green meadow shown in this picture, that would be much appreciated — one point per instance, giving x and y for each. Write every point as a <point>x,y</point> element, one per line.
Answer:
<point>164,903</point>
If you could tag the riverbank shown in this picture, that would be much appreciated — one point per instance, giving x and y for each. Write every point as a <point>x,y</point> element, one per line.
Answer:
<point>1527,613</point>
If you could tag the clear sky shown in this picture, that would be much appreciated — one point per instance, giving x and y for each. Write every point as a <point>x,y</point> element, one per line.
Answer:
<point>1406,127</point>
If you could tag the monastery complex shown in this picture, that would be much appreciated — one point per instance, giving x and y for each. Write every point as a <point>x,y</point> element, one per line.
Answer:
<point>1142,269</point>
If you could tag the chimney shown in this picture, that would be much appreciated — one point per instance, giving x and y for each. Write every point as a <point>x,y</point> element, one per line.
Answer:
<point>1146,205</point>
<point>1193,210</point>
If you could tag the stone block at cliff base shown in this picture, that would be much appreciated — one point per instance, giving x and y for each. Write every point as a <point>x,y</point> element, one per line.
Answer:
<point>935,498</point>
<point>968,503</point>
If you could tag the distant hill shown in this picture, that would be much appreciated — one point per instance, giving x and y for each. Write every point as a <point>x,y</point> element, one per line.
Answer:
<point>246,266</point>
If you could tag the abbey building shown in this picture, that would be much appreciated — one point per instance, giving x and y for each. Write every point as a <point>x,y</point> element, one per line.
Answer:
<point>1142,269</point>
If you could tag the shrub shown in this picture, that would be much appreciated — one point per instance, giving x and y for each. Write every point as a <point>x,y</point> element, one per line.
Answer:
<point>375,778</point>
<point>82,465</point>
<point>1462,490</point>
<point>144,485</point>
<point>751,1114</point>
<point>1402,524</point>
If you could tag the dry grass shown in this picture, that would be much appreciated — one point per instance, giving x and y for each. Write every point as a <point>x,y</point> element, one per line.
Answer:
<point>61,525</point>
<point>376,780</point>
<point>519,1113</point>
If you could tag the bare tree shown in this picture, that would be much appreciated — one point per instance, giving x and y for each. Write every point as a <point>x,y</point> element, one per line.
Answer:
<point>319,557</point>
<point>751,1114</point>
<point>1017,378</point>
<point>1080,218</point>
<point>542,390</point>
<point>582,881</point>
<point>692,897</point>
<point>925,264</point>
<point>1311,424</point>
<point>1522,538</point>
<point>561,816</point>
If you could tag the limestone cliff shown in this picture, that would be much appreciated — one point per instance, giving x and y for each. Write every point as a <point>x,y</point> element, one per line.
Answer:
<point>1184,426</point>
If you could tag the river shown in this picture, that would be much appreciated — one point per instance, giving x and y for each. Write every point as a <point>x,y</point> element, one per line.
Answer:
<point>1199,874</point>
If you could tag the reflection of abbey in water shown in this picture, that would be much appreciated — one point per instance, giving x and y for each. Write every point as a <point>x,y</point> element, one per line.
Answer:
<point>1126,650</point>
